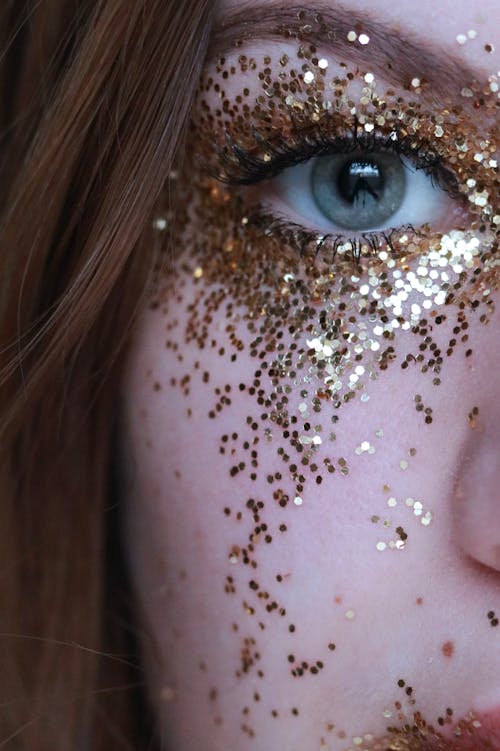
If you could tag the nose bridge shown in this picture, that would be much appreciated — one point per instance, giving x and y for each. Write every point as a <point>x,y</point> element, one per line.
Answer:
<point>476,505</point>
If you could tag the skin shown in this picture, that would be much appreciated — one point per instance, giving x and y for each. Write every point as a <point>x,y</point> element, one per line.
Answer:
<point>418,615</point>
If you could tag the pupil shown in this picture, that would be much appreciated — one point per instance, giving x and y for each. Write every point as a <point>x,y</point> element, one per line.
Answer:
<point>358,180</point>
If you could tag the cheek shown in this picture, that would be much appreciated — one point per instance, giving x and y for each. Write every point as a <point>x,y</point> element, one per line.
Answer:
<point>258,517</point>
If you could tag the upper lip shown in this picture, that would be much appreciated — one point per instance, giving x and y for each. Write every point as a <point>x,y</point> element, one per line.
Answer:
<point>478,731</point>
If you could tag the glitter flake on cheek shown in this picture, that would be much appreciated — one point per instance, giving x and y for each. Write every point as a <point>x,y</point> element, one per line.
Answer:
<point>323,316</point>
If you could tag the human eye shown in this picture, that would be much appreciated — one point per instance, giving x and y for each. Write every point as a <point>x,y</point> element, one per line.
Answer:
<point>325,157</point>
<point>357,187</point>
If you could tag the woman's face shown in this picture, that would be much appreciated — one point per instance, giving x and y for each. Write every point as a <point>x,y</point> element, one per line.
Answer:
<point>311,409</point>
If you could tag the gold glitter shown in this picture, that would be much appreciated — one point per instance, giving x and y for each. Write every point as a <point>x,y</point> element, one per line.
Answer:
<point>325,315</point>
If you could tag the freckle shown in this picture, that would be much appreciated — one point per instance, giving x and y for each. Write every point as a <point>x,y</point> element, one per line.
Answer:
<point>167,694</point>
<point>448,648</point>
<point>157,386</point>
<point>419,600</point>
<point>338,600</point>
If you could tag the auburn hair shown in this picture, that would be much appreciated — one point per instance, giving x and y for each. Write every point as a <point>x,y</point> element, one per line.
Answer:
<point>94,99</point>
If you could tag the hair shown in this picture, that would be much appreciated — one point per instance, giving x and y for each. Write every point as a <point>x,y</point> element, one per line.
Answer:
<point>94,99</point>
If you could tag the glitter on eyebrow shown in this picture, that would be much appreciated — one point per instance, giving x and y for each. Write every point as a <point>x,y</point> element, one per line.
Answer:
<point>323,63</point>
<point>308,76</point>
<point>363,39</point>
<point>352,36</point>
<point>350,615</point>
<point>369,78</point>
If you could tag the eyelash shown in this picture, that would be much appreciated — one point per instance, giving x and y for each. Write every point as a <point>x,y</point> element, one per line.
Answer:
<point>240,166</point>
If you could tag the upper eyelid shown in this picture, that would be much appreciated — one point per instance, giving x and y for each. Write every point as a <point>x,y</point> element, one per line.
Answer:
<point>283,154</point>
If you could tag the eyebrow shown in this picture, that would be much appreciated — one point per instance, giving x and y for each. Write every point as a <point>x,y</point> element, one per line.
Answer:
<point>397,56</point>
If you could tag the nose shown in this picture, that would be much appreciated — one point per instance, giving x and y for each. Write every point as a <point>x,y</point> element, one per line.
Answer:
<point>476,508</point>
